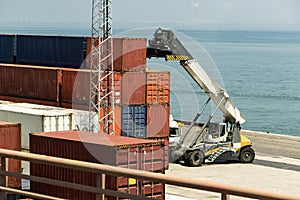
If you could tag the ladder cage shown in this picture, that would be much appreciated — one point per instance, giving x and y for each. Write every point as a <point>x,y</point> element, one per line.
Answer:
<point>101,105</point>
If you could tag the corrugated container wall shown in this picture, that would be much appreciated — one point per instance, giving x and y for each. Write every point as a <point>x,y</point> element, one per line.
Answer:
<point>129,54</point>
<point>117,120</point>
<point>140,88</point>
<point>158,87</point>
<point>75,86</point>
<point>133,88</point>
<point>158,120</point>
<point>29,82</point>
<point>10,138</point>
<point>123,152</point>
<point>7,48</point>
<point>60,51</point>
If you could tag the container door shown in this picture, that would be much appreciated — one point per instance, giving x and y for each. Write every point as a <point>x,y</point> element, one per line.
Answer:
<point>58,123</point>
<point>134,121</point>
<point>127,121</point>
<point>140,121</point>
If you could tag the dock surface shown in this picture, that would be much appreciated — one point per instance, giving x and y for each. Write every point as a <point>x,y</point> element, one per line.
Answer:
<point>276,168</point>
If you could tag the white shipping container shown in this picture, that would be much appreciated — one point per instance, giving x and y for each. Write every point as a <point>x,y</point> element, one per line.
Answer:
<point>80,117</point>
<point>36,120</point>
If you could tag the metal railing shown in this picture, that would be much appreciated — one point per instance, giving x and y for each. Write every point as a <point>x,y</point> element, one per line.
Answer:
<point>100,169</point>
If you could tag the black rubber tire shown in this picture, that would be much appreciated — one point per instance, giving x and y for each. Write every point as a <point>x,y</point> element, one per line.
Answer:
<point>194,158</point>
<point>247,155</point>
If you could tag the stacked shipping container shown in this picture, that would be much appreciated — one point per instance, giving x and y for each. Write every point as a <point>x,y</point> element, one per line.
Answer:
<point>129,54</point>
<point>146,155</point>
<point>45,85</point>
<point>39,118</point>
<point>143,101</point>
<point>50,50</point>
<point>30,82</point>
<point>134,87</point>
<point>141,96</point>
<point>68,51</point>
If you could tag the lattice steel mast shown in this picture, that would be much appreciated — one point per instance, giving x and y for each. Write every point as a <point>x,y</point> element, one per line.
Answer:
<point>101,104</point>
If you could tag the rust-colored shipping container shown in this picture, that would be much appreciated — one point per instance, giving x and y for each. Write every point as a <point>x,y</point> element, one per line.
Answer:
<point>75,86</point>
<point>118,87</point>
<point>124,152</point>
<point>10,138</point>
<point>140,88</point>
<point>165,140</point>
<point>158,120</point>
<point>41,83</point>
<point>133,88</point>
<point>158,87</point>
<point>129,54</point>
<point>117,121</point>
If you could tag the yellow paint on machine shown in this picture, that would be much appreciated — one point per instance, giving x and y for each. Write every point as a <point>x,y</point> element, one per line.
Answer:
<point>212,151</point>
<point>245,141</point>
<point>171,57</point>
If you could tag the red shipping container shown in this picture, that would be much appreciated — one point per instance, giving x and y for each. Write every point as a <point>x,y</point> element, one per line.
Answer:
<point>133,88</point>
<point>25,81</point>
<point>129,54</point>
<point>75,86</point>
<point>140,88</point>
<point>158,120</point>
<point>10,138</point>
<point>97,148</point>
<point>117,121</point>
<point>158,87</point>
<point>165,140</point>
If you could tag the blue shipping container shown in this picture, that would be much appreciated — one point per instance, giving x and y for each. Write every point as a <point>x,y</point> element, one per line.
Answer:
<point>134,121</point>
<point>6,48</point>
<point>51,50</point>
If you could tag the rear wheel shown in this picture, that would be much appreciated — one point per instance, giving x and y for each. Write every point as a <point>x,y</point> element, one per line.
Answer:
<point>194,158</point>
<point>247,155</point>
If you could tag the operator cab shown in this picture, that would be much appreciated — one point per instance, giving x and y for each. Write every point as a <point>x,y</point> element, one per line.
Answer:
<point>174,131</point>
<point>217,132</point>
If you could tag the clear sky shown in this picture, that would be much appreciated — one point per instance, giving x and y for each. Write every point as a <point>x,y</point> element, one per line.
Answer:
<point>153,11</point>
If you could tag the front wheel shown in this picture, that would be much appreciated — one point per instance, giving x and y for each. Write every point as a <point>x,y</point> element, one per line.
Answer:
<point>247,155</point>
<point>194,158</point>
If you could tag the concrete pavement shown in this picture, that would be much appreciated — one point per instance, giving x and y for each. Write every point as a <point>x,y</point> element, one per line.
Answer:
<point>276,168</point>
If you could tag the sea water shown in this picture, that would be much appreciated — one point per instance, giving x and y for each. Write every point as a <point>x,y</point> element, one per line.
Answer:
<point>261,73</point>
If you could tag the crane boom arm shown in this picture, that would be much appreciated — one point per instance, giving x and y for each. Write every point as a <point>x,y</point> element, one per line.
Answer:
<point>165,44</point>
